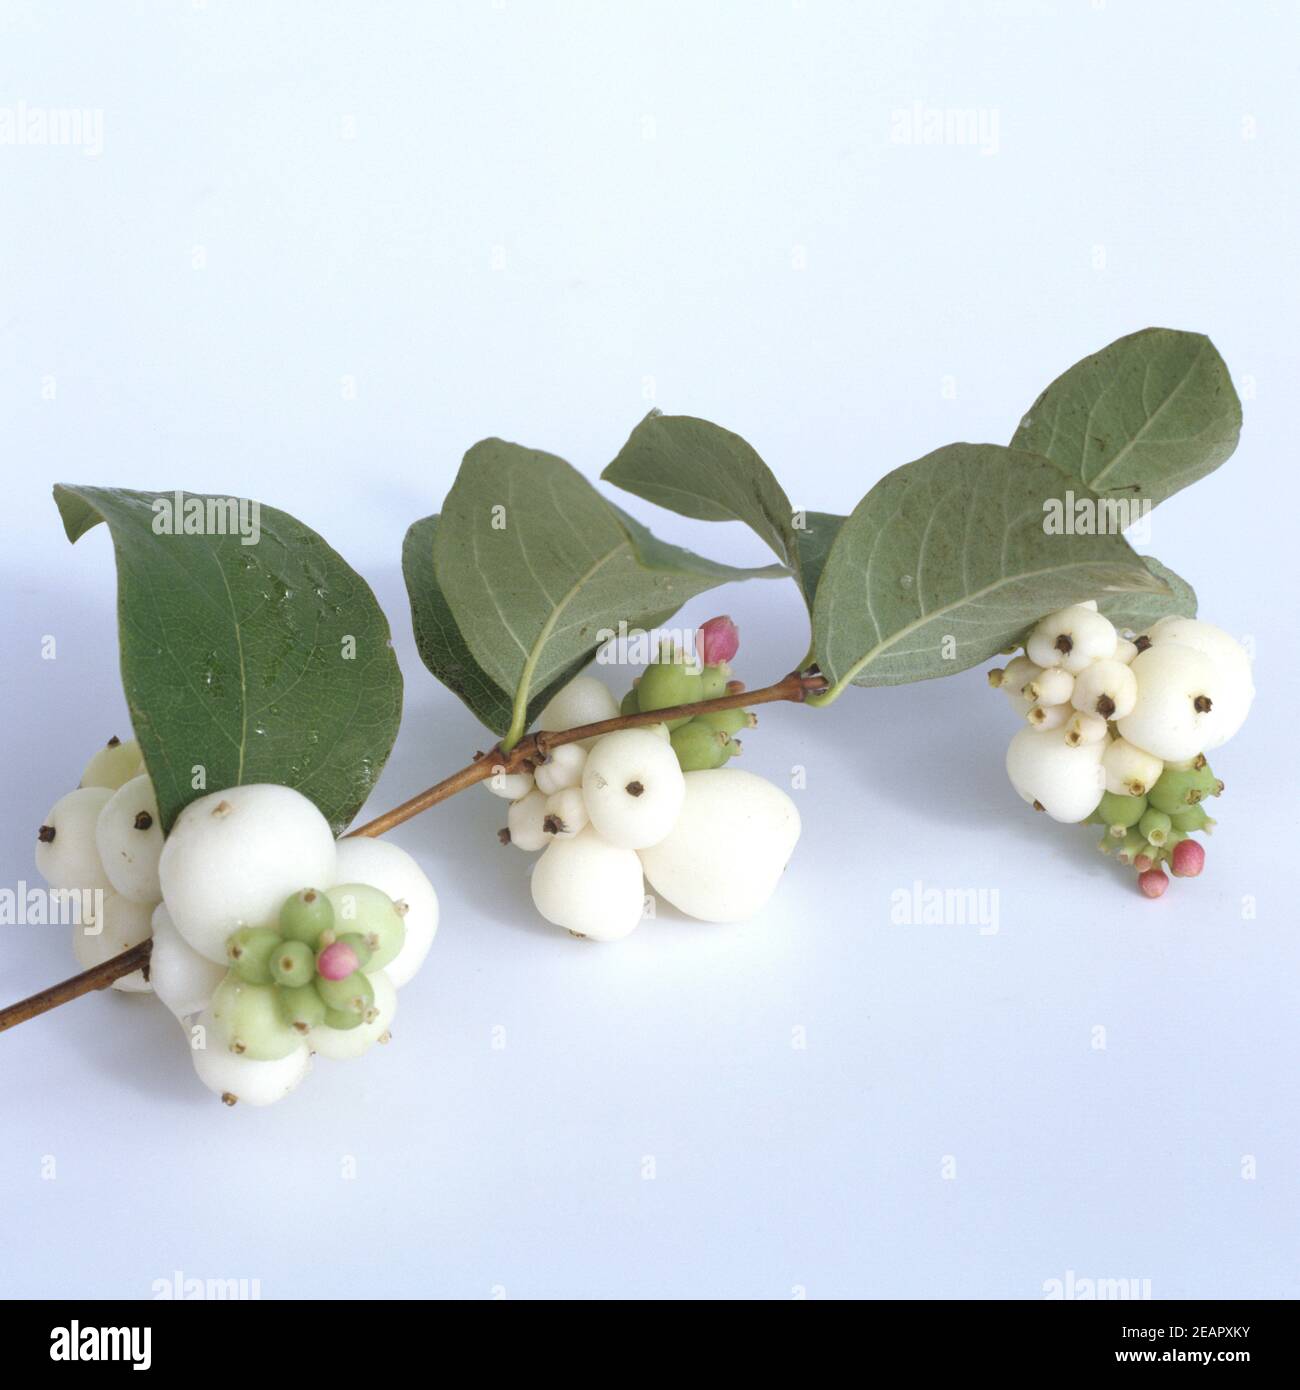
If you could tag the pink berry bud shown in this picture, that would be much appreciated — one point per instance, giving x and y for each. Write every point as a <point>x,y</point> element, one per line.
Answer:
<point>719,641</point>
<point>1188,858</point>
<point>1153,883</point>
<point>1143,862</point>
<point>337,961</point>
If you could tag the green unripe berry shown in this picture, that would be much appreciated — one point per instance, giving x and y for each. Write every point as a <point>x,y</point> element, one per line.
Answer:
<point>699,747</point>
<point>371,914</point>
<point>1179,788</point>
<point>360,946</point>
<point>1119,810</point>
<point>1192,818</point>
<point>1135,843</point>
<point>728,721</point>
<point>251,1020</point>
<point>1155,826</point>
<point>306,916</point>
<point>665,684</point>
<point>301,1007</point>
<point>249,951</point>
<point>336,1018</point>
<point>630,705</point>
<point>354,996</point>
<point>294,964</point>
<point>713,681</point>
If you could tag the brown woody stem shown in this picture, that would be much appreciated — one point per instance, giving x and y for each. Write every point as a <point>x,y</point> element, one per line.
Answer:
<point>529,751</point>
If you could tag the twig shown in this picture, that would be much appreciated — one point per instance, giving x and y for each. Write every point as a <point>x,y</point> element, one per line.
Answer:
<point>529,751</point>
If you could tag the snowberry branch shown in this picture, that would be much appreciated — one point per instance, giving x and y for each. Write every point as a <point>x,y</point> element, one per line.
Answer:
<point>524,755</point>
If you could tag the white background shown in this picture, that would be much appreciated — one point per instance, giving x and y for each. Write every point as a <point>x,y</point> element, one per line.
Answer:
<point>537,220</point>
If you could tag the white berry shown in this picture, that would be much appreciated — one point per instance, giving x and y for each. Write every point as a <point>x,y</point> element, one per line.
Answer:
<point>114,765</point>
<point>564,815</point>
<point>128,835</point>
<point>120,925</point>
<point>234,856</point>
<point>729,847</point>
<point>1012,679</point>
<point>590,887</point>
<point>524,822</point>
<point>1130,770</point>
<point>585,700</point>
<point>242,1079</point>
<point>1072,637</point>
<point>1107,688</point>
<point>1125,651</point>
<point>1237,682</point>
<point>1064,780</point>
<point>633,787</point>
<point>1085,728</point>
<point>388,867</point>
<point>66,853</point>
<point>510,786</point>
<point>341,1044</point>
<point>1177,689</point>
<point>1044,718</point>
<point>1054,686</point>
<point>184,980</point>
<point>562,768</point>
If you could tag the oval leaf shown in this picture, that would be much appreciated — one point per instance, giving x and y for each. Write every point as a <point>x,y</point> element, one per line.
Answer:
<point>700,470</point>
<point>538,568</point>
<point>261,662</point>
<point>1136,612</point>
<point>947,560</point>
<point>1145,416</point>
<point>442,648</point>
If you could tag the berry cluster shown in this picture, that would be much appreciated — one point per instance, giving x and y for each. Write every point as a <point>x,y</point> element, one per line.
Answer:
<point>1118,729</point>
<point>261,972</point>
<point>653,802</point>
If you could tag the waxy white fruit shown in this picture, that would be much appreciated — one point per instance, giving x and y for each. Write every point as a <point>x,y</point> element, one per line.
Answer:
<point>184,980</point>
<point>1236,679</point>
<point>1012,679</point>
<point>121,925</point>
<point>1073,637</point>
<point>128,835</point>
<point>562,768</point>
<point>1177,691</point>
<point>1046,770</point>
<point>342,1044</point>
<point>1085,728</point>
<point>585,700</point>
<point>510,786</point>
<point>114,765</point>
<point>1130,770</point>
<point>242,1079</point>
<point>729,846</point>
<point>1054,686</point>
<point>386,866</point>
<point>1107,688</point>
<point>565,814</point>
<point>590,887</point>
<point>1044,718</point>
<point>524,822</point>
<point>634,788</point>
<point>66,853</point>
<point>234,856</point>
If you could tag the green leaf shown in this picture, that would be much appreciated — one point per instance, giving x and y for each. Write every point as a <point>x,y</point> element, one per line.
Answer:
<point>947,560</point>
<point>1145,416</point>
<point>267,662</point>
<point>814,539</point>
<point>1136,612</point>
<point>538,569</point>
<point>700,470</point>
<point>445,652</point>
